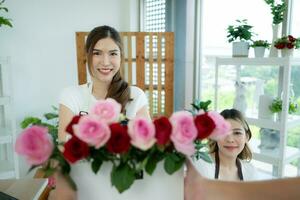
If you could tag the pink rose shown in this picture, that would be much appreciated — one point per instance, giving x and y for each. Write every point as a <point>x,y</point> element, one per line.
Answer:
<point>184,132</point>
<point>35,144</point>
<point>222,126</point>
<point>142,133</point>
<point>108,110</point>
<point>92,130</point>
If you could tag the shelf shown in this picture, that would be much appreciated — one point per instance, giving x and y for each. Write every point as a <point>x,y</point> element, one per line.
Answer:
<point>292,122</point>
<point>5,136</point>
<point>4,100</point>
<point>257,61</point>
<point>271,155</point>
<point>7,170</point>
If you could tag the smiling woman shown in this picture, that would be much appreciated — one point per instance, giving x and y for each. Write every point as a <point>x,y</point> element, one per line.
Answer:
<point>230,154</point>
<point>104,52</point>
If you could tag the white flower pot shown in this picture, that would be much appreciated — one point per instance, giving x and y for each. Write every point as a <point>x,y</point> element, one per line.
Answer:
<point>240,49</point>
<point>259,52</point>
<point>287,52</point>
<point>159,186</point>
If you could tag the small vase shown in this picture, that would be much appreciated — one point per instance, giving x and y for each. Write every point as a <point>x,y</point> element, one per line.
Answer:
<point>275,30</point>
<point>287,52</point>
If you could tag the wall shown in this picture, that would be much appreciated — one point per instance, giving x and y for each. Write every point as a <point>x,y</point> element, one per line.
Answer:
<point>184,12</point>
<point>42,49</point>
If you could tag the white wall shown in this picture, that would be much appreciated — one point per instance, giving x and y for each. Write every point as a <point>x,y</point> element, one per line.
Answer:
<point>42,49</point>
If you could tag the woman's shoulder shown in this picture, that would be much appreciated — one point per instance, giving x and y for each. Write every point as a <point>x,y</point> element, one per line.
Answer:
<point>135,91</point>
<point>249,171</point>
<point>76,88</point>
<point>205,168</point>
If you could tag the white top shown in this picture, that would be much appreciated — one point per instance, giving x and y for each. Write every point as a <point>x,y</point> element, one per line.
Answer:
<point>95,187</point>
<point>80,98</point>
<point>208,169</point>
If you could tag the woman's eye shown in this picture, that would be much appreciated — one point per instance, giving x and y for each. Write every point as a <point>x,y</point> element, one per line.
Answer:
<point>237,133</point>
<point>114,54</point>
<point>96,53</point>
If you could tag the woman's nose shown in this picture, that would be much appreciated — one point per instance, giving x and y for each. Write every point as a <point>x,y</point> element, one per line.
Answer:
<point>229,138</point>
<point>105,59</point>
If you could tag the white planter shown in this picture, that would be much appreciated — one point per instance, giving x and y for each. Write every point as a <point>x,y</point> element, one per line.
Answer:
<point>276,29</point>
<point>259,52</point>
<point>240,49</point>
<point>287,52</point>
<point>159,186</point>
<point>263,107</point>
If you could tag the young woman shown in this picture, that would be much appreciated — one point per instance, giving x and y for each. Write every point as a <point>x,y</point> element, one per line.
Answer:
<point>230,155</point>
<point>104,52</point>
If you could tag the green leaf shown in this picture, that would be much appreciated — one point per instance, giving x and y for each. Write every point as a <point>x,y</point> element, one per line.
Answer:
<point>30,121</point>
<point>205,157</point>
<point>122,177</point>
<point>152,161</point>
<point>173,162</point>
<point>32,168</point>
<point>50,116</point>
<point>49,172</point>
<point>96,164</point>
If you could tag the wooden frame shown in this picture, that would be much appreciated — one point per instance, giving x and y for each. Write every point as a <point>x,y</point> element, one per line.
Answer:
<point>148,63</point>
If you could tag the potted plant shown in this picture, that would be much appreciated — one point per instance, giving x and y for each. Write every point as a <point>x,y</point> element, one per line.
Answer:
<point>277,10</point>
<point>4,21</point>
<point>259,47</point>
<point>276,106</point>
<point>240,34</point>
<point>287,44</point>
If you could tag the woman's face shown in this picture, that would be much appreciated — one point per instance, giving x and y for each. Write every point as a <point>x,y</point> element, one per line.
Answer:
<point>106,60</point>
<point>233,144</point>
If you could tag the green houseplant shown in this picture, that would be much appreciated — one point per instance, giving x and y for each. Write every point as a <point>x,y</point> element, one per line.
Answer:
<point>240,34</point>
<point>276,106</point>
<point>4,21</point>
<point>259,47</point>
<point>278,10</point>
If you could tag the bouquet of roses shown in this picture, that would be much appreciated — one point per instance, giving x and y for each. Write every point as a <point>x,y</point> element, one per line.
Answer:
<point>132,146</point>
<point>288,42</point>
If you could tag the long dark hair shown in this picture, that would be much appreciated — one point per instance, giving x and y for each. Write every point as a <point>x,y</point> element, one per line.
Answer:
<point>236,115</point>
<point>119,88</point>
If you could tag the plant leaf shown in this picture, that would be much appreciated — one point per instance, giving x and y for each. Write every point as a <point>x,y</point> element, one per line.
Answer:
<point>96,164</point>
<point>173,162</point>
<point>50,116</point>
<point>122,177</point>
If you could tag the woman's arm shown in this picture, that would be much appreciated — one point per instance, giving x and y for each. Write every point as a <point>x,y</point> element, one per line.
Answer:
<point>199,188</point>
<point>143,112</point>
<point>62,189</point>
<point>65,116</point>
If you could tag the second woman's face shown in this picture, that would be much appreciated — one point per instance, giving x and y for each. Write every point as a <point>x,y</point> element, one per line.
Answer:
<point>233,144</point>
<point>106,60</point>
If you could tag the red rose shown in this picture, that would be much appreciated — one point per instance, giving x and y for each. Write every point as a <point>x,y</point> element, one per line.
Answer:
<point>291,38</point>
<point>75,120</point>
<point>163,130</point>
<point>205,125</point>
<point>75,150</point>
<point>119,141</point>
<point>290,46</point>
<point>279,46</point>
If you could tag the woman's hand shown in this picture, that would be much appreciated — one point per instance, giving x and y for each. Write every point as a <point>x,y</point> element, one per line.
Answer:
<point>194,183</point>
